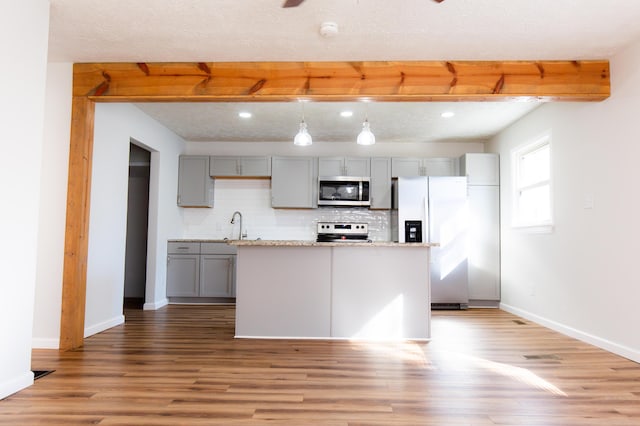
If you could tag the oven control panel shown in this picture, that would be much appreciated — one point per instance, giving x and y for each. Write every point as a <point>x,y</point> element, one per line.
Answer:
<point>343,228</point>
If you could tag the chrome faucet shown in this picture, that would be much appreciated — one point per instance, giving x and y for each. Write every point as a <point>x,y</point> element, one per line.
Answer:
<point>233,220</point>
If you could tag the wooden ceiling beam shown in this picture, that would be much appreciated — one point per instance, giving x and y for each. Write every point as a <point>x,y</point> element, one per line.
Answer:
<point>345,81</point>
<point>286,81</point>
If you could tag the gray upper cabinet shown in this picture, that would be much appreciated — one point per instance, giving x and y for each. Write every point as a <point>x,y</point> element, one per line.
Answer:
<point>245,166</point>
<point>381,183</point>
<point>414,166</point>
<point>406,167</point>
<point>344,166</point>
<point>195,186</point>
<point>441,166</point>
<point>481,168</point>
<point>294,182</point>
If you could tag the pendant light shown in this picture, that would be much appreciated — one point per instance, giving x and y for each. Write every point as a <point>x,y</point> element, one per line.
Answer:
<point>303,138</point>
<point>366,137</point>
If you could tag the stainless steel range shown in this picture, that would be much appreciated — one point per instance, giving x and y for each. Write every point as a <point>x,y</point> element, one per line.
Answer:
<point>343,231</point>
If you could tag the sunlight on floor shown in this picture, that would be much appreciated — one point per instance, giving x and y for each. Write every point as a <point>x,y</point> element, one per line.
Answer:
<point>455,344</point>
<point>519,374</point>
<point>411,352</point>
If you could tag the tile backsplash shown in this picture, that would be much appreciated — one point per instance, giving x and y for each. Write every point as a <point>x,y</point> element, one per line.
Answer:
<point>252,197</point>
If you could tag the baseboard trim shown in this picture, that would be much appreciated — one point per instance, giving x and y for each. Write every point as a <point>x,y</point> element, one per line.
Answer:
<point>350,339</point>
<point>45,343</point>
<point>152,306</point>
<point>105,325</point>
<point>605,344</point>
<point>16,384</point>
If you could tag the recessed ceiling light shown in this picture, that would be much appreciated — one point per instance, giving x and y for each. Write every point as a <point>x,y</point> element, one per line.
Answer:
<point>244,114</point>
<point>346,114</point>
<point>447,114</point>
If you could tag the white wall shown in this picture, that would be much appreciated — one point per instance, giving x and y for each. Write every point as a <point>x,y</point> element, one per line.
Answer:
<point>53,206</point>
<point>381,149</point>
<point>115,125</point>
<point>23,56</point>
<point>580,279</point>
<point>252,197</point>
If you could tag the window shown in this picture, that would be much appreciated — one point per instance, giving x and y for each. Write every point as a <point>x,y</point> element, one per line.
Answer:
<point>532,184</point>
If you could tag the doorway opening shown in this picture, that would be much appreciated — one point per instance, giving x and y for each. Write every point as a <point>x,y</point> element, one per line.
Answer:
<point>135,275</point>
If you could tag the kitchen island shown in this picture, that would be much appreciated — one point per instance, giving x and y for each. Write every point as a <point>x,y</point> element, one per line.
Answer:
<point>332,290</point>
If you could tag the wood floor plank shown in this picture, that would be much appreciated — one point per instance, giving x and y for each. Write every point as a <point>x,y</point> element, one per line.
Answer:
<point>181,366</point>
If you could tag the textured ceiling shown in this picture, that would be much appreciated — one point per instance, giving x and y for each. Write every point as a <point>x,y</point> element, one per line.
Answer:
<point>261,30</point>
<point>390,122</point>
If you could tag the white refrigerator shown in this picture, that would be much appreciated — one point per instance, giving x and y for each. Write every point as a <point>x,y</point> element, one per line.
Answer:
<point>434,209</point>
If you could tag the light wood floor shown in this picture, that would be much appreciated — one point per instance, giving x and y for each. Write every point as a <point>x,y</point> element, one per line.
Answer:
<point>181,366</point>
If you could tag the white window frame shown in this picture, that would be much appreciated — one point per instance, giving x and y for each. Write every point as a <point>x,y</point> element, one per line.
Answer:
<point>517,154</point>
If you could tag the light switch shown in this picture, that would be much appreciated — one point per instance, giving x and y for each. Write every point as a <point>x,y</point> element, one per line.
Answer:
<point>588,201</point>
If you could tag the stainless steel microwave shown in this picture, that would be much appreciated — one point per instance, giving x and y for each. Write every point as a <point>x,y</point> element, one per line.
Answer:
<point>344,191</point>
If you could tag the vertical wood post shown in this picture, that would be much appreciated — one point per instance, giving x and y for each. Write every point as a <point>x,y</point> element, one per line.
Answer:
<point>76,245</point>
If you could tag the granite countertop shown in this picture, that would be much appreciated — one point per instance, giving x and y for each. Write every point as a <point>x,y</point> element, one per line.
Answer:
<point>303,243</point>
<point>196,240</point>
<point>296,243</point>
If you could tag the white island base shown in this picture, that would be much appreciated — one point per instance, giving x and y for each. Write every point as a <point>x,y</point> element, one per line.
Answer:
<point>372,291</point>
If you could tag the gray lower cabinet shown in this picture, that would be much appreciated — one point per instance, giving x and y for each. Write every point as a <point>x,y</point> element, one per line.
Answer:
<point>217,275</point>
<point>196,271</point>
<point>217,269</point>
<point>294,182</point>
<point>183,275</point>
<point>183,269</point>
<point>195,186</point>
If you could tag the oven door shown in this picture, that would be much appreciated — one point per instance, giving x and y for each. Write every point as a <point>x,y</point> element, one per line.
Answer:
<point>344,191</point>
